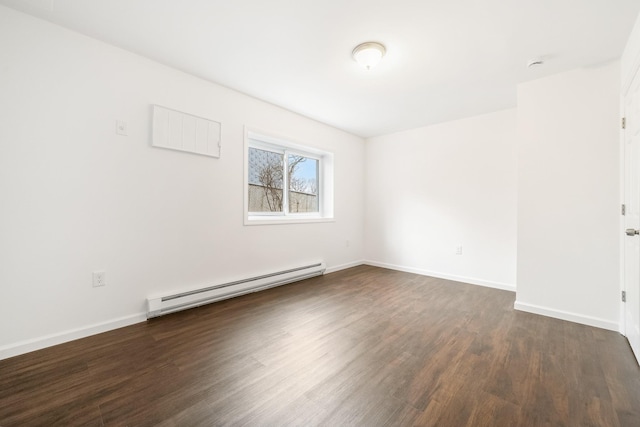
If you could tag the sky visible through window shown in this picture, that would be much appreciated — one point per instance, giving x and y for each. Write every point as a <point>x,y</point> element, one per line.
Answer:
<point>308,169</point>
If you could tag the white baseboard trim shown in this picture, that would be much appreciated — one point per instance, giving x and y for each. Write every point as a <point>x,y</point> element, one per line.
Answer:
<point>463,279</point>
<point>565,315</point>
<point>28,346</point>
<point>343,266</point>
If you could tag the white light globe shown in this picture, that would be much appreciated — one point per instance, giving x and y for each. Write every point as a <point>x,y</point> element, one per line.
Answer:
<point>369,54</point>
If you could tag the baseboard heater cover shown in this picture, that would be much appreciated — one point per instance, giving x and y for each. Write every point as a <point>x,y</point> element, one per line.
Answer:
<point>161,305</point>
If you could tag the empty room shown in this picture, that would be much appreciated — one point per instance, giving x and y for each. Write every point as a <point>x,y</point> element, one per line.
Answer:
<point>319,213</point>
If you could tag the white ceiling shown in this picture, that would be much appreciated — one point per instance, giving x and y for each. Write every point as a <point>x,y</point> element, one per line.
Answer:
<point>446,59</point>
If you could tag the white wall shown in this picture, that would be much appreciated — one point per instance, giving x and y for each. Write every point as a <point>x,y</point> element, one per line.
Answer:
<point>431,189</point>
<point>631,56</point>
<point>75,197</point>
<point>568,196</point>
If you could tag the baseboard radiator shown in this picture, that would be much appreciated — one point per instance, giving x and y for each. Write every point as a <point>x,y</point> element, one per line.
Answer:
<point>161,305</point>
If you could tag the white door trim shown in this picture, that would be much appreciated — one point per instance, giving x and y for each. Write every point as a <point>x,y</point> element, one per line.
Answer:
<point>627,79</point>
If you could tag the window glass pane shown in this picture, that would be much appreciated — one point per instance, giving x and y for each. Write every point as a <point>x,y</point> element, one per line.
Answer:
<point>265,180</point>
<point>303,184</point>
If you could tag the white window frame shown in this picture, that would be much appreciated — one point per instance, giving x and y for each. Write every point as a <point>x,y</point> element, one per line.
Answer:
<point>284,146</point>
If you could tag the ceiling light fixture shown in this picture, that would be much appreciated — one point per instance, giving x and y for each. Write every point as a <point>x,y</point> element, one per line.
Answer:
<point>368,54</point>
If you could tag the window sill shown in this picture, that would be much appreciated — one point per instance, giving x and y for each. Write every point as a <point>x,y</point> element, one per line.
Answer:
<point>277,220</point>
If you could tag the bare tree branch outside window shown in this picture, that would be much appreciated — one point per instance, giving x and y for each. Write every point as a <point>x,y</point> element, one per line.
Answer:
<point>266,177</point>
<point>270,177</point>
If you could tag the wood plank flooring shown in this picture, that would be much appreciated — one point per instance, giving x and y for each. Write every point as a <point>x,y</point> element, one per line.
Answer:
<point>362,347</point>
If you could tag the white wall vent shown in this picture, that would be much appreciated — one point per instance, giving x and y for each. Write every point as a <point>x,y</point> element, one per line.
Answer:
<point>180,131</point>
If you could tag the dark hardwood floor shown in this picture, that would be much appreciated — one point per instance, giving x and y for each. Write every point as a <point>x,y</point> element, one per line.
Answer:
<point>361,347</point>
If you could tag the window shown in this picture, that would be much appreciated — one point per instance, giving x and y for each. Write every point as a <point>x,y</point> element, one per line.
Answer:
<point>286,182</point>
<point>269,170</point>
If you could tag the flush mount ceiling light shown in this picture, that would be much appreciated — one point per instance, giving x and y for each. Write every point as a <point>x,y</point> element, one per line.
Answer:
<point>368,54</point>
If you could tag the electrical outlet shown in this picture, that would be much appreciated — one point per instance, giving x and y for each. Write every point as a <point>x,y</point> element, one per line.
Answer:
<point>458,250</point>
<point>99,278</point>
